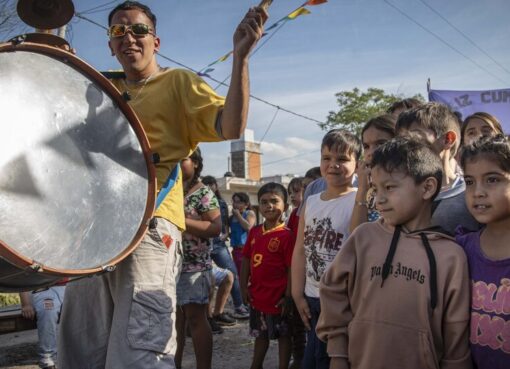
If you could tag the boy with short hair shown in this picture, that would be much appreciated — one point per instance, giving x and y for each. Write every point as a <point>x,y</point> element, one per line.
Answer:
<point>437,124</point>
<point>323,227</point>
<point>264,276</point>
<point>397,294</point>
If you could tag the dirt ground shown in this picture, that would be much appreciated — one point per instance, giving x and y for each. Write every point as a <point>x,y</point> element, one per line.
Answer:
<point>232,349</point>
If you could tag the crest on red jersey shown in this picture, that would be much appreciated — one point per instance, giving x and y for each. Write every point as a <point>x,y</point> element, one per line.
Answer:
<point>273,244</point>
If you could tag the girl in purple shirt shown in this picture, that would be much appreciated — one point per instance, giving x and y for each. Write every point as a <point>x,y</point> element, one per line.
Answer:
<point>486,165</point>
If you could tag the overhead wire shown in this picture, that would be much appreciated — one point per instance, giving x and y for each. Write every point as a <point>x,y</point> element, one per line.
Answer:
<point>291,157</point>
<point>465,36</point>
<point>270,124</point>
<point>98,8</point>
<point>444,42</point>
<point>257,49</point>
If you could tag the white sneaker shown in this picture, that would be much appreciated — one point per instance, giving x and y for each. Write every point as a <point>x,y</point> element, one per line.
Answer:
<point>241,312</point>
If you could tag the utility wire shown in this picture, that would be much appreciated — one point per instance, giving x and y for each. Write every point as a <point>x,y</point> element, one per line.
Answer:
<point>98,8</point>
<point>270,124</point>
<point>444,42</point>
<point>81,16</point>
<point>465,36</point>
<point>257,49</point>
<point>291,157</point>
<point>101,10</point>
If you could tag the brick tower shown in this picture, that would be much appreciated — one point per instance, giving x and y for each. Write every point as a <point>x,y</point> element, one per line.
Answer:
<point>245,154</point>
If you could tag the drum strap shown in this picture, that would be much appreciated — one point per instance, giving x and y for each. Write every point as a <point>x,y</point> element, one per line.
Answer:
<point>167,186</point>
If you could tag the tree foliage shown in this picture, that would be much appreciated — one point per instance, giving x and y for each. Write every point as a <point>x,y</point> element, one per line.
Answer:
<point>357,107</point>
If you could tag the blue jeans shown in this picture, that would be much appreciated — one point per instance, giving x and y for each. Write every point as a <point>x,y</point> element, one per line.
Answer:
<point>316,356</point>
<point>221,256</point>
<point>47,305</point>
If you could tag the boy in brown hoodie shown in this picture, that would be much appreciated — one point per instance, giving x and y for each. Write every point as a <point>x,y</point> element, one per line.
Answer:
<point>397,293</point>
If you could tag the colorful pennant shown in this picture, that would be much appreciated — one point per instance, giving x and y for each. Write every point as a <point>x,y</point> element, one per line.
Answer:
<point>299,11</point>
<point>293,15</point>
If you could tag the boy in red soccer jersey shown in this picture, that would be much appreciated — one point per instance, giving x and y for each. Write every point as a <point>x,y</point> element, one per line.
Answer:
<point>264,276</point>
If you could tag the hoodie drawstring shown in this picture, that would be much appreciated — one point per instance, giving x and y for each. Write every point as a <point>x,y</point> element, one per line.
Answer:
<point>433,270</point>
<point>391,253</point>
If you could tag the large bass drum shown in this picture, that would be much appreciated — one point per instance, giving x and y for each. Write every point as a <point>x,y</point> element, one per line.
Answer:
<point>77,183</point>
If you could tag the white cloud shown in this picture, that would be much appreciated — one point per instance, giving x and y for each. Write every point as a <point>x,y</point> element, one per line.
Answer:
<point>276,151</point>
<point>302,143</point>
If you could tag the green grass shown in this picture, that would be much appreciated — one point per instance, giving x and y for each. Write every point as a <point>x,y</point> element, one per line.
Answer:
<point>7,299</point>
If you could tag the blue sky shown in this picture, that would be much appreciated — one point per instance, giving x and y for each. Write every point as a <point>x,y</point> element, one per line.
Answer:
<point>343,44</point>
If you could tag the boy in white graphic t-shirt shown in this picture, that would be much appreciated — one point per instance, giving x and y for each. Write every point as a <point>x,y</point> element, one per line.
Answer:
<point>323,227</point>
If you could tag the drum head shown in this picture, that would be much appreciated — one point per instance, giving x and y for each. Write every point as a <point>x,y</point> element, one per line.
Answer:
<point>76,183</point>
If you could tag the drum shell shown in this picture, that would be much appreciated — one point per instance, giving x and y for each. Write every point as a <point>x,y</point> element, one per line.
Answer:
<point>19,270</point>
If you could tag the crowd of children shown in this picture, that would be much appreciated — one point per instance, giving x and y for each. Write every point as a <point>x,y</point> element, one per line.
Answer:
<point>395,253</point>
<point>366,271</point>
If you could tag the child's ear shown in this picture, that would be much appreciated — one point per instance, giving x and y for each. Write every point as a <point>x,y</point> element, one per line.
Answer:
<point>429,186</point>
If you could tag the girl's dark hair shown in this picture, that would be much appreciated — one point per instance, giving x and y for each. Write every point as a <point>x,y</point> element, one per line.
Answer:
<point>486,117</point>
<point>274,188</point>
<point>196,157</point>
<point>385,123</point>
<point>496,149</point>
<point>209,181</point>
<point>243,197</point>
<point>129,5</point>
<point>295,183</point>
<point>344,141</point>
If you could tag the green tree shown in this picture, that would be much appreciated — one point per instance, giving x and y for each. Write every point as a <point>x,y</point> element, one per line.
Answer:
<point>357,107</point>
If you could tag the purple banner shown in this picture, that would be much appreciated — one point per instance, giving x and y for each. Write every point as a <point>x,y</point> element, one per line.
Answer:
<point>495,102</point>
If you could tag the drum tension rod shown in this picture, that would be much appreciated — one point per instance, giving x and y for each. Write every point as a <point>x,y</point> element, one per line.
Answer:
<point>18,39</point>
<point>126,96</point>
<point>108,268</point>
<point>156,158</point>
<point>35,267</point>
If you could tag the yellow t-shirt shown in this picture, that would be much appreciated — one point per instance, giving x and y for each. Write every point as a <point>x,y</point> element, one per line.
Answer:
<point>177,110</point>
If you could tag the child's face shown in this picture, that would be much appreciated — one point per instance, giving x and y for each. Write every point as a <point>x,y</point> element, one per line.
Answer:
<point>337,168</point>
<point>399,199</point>
<point>477,128</point>
<point>487,191</point>
<point>271,206</point>
<point>372,139</point>
<point>296,196</point>
<point>238,204</point>
<point>188,169</point>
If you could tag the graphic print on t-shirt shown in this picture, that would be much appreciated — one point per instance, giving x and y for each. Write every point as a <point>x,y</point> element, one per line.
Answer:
<point>490,316</point>
<point>323,243</point>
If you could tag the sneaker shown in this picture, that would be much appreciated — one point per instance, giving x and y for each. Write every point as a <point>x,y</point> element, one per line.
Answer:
<point>241,312</point>
<point>215,328</point>
<point>224,320</point>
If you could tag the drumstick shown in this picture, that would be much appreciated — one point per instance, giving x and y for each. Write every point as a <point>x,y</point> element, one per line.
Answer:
<point>264,4</point>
